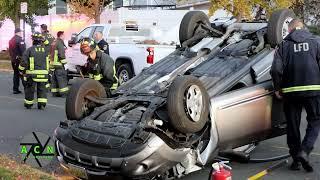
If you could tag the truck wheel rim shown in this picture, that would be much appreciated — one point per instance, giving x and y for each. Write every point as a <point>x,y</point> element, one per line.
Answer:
<point>194,102</point>
<point>85,105</point>
<point>123,76</point>
<point>285,27</point>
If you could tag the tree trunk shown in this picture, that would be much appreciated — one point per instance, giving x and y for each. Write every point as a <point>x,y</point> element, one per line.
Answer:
<point>16,21</point>
<point>97,19</point>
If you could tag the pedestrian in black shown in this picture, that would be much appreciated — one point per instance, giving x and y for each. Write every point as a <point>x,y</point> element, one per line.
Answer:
<point>16,48</point>
<point>99,65</point>
<point>102,44</point>
<point>35,67</point>
<point>296,77</point>
<point>59,81</point>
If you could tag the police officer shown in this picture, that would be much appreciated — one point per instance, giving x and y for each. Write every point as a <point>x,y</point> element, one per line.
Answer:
<point>296,77</point>
<point>35,67</point>
<point>16,49</point>
<point>99,65</point>
<point>59,81</point>
<point>102,44</point>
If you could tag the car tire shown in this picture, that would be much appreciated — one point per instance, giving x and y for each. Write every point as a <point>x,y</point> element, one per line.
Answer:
<point>278,26</point>
<point>124,73</point>
<point>189,24</point>
<point>76,103</point>
<point>188,113</point>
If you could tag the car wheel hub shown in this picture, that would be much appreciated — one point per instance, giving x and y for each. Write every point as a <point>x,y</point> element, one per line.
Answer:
<point>85,107</point>
<point>194,102</point>
<point>285,27</point>
<point>123,76</point>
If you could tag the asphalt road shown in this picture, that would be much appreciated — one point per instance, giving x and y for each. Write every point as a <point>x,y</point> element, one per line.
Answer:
<point>15,122</point>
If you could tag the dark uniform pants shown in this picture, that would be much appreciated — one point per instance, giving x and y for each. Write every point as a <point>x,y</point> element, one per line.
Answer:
<point>16,76</point>
<point>59,82</point>
<point>29,90</point>
<point>293,108</point>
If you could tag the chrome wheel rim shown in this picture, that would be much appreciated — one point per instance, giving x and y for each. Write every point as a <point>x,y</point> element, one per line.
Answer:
<point>285,27</point>
<point>85,108</point>
<point>194,102</point>
<point>123,76</point>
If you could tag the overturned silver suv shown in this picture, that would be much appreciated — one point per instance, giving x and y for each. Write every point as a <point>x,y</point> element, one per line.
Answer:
<point>212,94</point>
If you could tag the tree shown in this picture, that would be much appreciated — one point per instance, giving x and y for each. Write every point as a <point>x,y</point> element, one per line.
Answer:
<point>11,9</point>
<point>90,8</point>
<point>244,8</point>
<point>312,15</point>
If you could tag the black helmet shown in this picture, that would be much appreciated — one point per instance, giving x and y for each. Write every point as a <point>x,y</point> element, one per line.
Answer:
<point>44,27</point>
<point>37,37</point>
<point>87,45</point>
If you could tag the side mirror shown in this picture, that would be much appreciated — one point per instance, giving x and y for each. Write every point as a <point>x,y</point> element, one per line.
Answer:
<point>73,40</point>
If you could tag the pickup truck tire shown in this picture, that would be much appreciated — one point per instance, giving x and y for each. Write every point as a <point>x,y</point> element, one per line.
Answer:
<point>188,104</point>
<point>124,73</point>
<point>76,104</point>
<point>278,26</point>
<point>189,24</point>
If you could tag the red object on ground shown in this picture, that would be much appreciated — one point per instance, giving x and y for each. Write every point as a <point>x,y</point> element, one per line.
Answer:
<point>150,57</point>
<point>221,174</point>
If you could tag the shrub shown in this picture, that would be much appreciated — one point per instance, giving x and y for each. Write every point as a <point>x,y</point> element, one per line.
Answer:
<point>315,30</point>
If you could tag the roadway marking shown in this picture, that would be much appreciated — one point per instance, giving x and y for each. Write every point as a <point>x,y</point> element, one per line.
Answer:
<point>16,99</point>
<point>280,147</point>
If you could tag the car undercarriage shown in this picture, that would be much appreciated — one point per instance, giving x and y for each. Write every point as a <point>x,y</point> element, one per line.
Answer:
<point>212,94</point>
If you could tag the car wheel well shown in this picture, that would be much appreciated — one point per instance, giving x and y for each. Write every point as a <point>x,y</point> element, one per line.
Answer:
<point>123,60</point>
<point>238,86</point>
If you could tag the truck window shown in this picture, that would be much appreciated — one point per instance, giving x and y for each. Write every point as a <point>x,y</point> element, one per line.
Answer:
<point>99,29</point>
<point>118,32</point>
<point>85,33</point>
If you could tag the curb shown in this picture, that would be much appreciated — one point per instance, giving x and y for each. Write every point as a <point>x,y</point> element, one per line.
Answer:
<point>6,70</point>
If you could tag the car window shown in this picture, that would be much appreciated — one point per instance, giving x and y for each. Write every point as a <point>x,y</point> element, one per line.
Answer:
<point>84,33</point>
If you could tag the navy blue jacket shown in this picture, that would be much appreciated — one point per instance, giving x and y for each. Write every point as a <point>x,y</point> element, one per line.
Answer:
<point>295,70</point>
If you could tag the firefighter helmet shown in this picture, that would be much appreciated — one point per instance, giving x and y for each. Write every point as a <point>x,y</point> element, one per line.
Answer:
<point>87,45</point>
<point>37,37</point>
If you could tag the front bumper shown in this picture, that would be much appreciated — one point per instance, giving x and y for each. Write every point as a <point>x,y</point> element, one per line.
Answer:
<point>155,158</point>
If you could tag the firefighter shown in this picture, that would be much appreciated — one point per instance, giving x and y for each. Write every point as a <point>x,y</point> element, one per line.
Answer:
<point>102,44</point>
<point>59,81</point>
<point>35,67</point>
<point>48,40</point>
<point>47,36</point>
<point>296,78</point>
<point>99,65</point>
<point>16,49</point>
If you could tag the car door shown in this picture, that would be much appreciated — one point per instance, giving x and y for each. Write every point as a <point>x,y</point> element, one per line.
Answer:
<point>244,116</point>
<point>261,72</point>
<point>73,54</point>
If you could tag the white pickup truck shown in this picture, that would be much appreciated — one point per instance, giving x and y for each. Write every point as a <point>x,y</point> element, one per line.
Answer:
<point>125,46</point>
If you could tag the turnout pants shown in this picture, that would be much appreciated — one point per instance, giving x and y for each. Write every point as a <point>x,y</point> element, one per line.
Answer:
<point>293,108</point>
<point>59,82</point>
<point>30,87</point>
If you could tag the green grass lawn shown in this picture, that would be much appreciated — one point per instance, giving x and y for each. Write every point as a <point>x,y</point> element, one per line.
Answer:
<point>4,55</point>
<point>11,170</point>
<point>5,65</point>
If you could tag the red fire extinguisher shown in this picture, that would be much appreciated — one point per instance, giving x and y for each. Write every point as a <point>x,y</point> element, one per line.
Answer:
<point>221,172</point>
